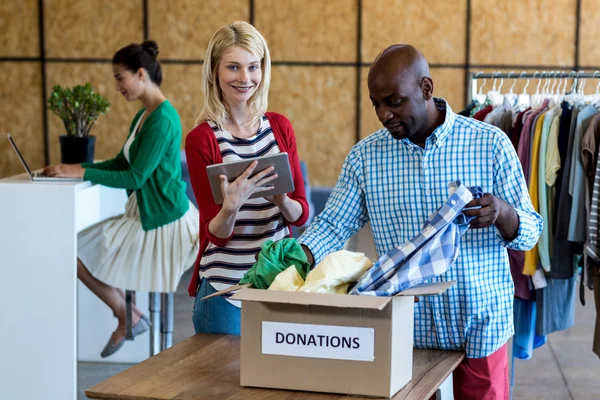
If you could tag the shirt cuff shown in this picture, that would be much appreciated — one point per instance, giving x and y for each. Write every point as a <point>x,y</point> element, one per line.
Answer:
<point>528,233</point>
<point>315,245</point>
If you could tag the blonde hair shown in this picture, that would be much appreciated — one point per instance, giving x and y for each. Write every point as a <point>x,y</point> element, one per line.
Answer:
<point>244,35</point>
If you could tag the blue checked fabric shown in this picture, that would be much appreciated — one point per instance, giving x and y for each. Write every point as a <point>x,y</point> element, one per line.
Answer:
<point>425,256</point>
<point>397,185</point>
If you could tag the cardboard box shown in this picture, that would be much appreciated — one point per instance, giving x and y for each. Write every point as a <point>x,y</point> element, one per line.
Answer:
<point>346,344</point>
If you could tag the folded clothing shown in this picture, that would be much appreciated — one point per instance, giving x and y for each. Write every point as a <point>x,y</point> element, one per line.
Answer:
<point>336,272</point>
<point>333,275</point>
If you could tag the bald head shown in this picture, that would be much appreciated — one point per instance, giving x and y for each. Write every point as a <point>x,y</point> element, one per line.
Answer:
<point>400,60</point>
<point>402,93</point>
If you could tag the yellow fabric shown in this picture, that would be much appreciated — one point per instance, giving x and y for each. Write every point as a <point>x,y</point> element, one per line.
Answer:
<point>336,272</point>
<point>333,275</point>
<point>532,256</point>
<point>289,280</point>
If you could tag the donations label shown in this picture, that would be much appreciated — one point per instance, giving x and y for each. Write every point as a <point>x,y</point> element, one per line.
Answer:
<point>318,341</point>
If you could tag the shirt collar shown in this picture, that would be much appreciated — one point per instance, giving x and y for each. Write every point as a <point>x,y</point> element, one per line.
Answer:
<point>439,135</point>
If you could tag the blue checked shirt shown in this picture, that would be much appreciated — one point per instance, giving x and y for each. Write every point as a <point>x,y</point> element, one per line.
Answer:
<point>425,256</point>
<point>397,185</point>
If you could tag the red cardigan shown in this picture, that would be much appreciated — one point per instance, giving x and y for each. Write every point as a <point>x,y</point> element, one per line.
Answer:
<point>202,149</point>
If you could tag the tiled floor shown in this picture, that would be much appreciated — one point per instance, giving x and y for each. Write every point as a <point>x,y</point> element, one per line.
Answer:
<point>566,367</point>
<point>563,369</point>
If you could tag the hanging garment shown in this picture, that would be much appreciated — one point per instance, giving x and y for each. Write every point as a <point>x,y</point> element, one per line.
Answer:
<point>525,339</point>
<point>592,245</point>
<point>523,287</point>
<point>544,241</point>
<point>577,222</point>
<point>425,256</point>
<point>480,115</point>
<point>524,149</point>
<point>505,122</point>
<point>553,165</point>
<point>589,158</point>
<point>470,107</point>
<point>532,256</point>
<point>563,147</point>
<point>517,128</point>
<point>563,252</point>
<point>556,305</point>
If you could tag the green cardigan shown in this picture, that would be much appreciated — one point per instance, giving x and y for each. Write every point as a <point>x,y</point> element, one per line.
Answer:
<point>155,170</point>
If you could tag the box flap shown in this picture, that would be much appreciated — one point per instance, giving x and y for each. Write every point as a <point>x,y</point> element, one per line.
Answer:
<point>230,289</point>
<point>317,299</point>
<point>427,288</point>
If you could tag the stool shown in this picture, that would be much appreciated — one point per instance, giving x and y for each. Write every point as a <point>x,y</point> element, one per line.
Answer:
<point>161,317</point>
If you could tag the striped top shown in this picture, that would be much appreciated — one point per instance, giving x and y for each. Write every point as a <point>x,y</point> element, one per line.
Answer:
<point>258,219</point>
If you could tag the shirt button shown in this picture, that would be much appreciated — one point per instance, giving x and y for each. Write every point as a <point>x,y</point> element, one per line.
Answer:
<point>453,202</point>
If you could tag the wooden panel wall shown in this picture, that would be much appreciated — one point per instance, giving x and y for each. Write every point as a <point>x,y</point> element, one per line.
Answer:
<point>321,53</point>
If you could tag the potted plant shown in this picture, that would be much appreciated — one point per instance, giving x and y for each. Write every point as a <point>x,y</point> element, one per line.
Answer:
<point>79,108</point>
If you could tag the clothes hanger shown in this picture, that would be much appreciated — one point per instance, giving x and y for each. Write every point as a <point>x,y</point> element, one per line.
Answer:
<point>511,97</point>
<point>593,97</point>
<point>498,98</point>
<point>480,96</point>
<point>570,95</point>
<point>524,99</point>
<point>580,96</point>
<point>493,92</point>
<point>536,98</point>
<point>596,100</point>
<point>549,92</point>
<point>557,95</point>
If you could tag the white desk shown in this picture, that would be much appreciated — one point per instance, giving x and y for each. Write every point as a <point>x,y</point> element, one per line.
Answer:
<point>49,320</point>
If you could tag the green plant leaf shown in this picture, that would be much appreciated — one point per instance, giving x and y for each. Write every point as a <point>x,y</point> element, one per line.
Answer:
<point>79,107</point>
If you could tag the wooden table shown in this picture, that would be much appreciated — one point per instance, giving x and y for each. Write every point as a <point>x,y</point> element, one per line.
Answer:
<point>207,367</point>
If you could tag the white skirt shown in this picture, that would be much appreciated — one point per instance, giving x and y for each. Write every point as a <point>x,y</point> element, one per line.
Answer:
<point>120,253</point>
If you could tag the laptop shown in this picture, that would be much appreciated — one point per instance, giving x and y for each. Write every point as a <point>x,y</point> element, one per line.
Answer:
<point>37,176</point>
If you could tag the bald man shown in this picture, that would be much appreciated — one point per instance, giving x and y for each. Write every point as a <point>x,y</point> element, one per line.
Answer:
<point>398,176</point>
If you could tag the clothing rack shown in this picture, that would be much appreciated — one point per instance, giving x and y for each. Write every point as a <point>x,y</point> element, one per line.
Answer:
<point>475,76</point>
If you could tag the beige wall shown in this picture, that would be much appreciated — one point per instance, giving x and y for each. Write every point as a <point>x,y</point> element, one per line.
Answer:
<point>314,48</point>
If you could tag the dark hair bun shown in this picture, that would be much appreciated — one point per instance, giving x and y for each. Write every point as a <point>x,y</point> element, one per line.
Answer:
<point>151,47</point>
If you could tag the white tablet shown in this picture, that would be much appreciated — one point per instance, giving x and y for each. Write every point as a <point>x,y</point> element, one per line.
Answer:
<point>282,184</point>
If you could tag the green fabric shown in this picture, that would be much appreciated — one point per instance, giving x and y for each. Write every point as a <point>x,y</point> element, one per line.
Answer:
<point>275,257</point>
<point>155,169</point>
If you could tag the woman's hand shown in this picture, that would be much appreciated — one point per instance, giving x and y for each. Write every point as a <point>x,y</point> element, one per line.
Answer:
<point>290,209</point>
<point>64,171</point>
<point>278,199</point>
<point>236,193</point>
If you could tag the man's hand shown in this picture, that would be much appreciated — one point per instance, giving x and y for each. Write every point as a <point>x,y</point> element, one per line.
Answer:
<point>486,215</point>
<point>494,211</point>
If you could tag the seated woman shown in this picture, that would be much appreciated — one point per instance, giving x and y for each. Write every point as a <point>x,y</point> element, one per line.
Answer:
<point>234,125</point>
<point>148,248</point>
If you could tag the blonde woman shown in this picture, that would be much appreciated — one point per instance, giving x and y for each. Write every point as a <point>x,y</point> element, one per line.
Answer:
<point>235,125</point>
